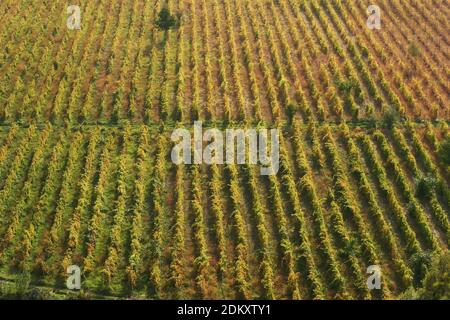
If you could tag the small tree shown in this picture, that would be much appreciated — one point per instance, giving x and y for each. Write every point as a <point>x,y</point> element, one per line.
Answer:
<point>290,112</point>
<point>425,187</point>
<point>413,49</point>
<point>431,277</point>
<point>436,285</point>
<point>165,20</point>
<point>420,263</point>
<point>22,284</point>
<point>390,118</point>
<point>444,150</point>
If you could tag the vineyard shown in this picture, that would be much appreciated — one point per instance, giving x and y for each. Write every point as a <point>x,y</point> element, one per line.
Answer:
<point>86,117</point>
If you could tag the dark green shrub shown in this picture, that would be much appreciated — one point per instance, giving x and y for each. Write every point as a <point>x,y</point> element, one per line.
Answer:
<point>444,150</point>
<point>165,20</point>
